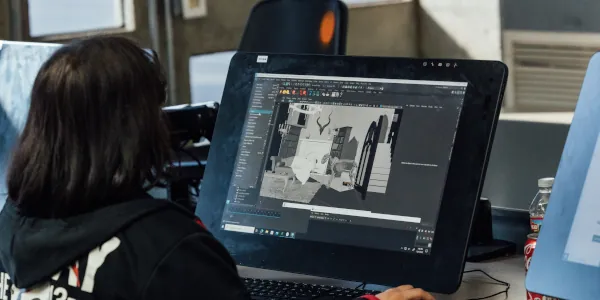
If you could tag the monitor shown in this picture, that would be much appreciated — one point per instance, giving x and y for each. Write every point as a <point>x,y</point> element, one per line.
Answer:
<point>566,260</point>
<point>358,168</point>
<point>19,65</point>
<point>345,159</point>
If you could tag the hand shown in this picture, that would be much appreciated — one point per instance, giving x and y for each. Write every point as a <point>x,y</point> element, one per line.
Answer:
<point>405,292</point>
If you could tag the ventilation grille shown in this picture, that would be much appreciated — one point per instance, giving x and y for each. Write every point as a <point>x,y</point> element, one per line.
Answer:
<point>547,75</point>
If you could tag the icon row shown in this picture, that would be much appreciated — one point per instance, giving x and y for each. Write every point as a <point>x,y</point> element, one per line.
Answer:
<point>440,64</point>
<point>426,231</point>
<point>416,250</point>
<point>275,233</point>
<point>299,84</point>
<point>309,93</point>
<point>424,106</point>
<point>293,92</point>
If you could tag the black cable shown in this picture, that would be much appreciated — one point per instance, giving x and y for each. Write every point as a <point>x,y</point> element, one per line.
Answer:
<point>192,156</point>
<point>179,166</point>
<point>361,286</point>
<point>183,143</point>
<point>504,283</point>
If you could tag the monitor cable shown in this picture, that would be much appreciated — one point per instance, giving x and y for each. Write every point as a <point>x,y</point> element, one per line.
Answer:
<point>361,286</point>
<point>194,183</point>
<point>503,283</point>
<point>182,186</point>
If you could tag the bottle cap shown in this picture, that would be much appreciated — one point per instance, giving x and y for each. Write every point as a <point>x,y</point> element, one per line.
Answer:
<point>546,182</point>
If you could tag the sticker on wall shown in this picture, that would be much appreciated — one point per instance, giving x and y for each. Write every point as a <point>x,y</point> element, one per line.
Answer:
<point>262,59</point>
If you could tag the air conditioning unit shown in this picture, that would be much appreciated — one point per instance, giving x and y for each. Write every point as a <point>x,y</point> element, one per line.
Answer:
<point>546,68</point>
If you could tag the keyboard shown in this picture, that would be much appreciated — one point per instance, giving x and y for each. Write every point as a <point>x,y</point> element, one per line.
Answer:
<point>276,290</point>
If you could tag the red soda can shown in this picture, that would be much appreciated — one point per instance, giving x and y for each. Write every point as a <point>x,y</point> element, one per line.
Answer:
<point>529,248</point>
<point>536,296</point>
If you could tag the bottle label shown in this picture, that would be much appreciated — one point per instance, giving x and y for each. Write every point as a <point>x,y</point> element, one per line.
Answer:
<point>535,222</point>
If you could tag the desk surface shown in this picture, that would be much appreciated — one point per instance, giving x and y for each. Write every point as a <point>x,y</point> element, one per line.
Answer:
<point>549,117</point>
<point>475,285</point>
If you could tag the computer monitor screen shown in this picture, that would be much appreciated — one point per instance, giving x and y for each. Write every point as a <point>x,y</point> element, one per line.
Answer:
<point>566,260</point>
<point>19,65</point>
<point>344,160</point>
<point>583,242</point>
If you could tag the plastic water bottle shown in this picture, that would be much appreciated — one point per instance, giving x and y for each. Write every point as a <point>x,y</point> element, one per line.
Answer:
<point>537,209</point>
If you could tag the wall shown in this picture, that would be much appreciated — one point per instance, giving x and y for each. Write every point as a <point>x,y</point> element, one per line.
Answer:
<point>551,15</point>
<point>369,35</point>
<point>460,29</point>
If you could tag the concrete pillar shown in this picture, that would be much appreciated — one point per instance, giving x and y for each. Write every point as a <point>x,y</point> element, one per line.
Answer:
<point>460,29</point>
<point>4,19</point>
<point>383,30</point>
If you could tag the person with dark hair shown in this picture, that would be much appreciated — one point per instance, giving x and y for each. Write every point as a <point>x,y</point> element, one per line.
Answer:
<point>78,222</point>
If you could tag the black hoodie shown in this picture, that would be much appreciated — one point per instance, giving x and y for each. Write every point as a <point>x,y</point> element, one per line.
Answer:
<point>141,249</point>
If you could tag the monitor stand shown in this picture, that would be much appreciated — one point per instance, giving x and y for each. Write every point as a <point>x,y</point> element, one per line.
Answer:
<point>482,245</point>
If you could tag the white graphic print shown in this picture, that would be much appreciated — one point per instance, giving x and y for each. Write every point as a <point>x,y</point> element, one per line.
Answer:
<point>95,260</point>
<point>50,291</point>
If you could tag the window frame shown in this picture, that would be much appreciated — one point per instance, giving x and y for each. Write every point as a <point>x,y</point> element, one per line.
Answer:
<point>129,25</point>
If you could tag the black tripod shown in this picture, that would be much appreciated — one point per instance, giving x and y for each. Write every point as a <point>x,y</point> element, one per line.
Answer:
<point>191,128</point>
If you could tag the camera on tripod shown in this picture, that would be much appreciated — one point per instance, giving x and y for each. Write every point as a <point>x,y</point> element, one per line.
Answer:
<point>191,128</point>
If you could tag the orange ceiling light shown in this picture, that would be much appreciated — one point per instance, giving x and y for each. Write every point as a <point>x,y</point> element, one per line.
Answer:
<point>327,28</point>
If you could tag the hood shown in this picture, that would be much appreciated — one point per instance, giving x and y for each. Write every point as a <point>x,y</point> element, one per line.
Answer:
<point>32,250</point>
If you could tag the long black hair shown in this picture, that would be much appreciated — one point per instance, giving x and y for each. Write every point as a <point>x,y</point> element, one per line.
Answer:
<point>95,134</point>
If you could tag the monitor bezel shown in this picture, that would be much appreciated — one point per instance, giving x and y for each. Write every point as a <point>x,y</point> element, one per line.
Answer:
<point>441,271</point>
<point>549,273</point>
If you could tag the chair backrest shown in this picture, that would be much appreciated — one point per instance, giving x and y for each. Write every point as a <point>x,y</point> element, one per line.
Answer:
<point>297,26</point>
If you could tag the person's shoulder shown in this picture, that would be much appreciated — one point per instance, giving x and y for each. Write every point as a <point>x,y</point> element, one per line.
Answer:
<point>164,228</point>
<point>172,242</point>
<point>150,239</point>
